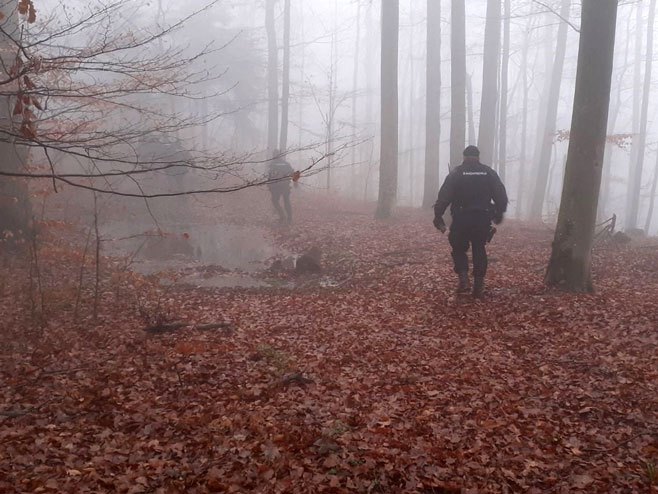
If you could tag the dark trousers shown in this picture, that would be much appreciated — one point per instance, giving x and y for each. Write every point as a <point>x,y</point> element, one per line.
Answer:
<point>276,197</point>
<point>470,231</point>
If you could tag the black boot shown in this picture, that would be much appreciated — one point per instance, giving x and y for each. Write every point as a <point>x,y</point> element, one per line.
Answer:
<point>478,287</point>
<point>464,285</point>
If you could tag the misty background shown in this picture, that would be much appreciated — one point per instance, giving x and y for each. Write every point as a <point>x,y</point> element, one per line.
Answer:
<point>334,102</point>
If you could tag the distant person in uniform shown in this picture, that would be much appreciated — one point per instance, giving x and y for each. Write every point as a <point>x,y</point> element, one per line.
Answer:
<point>170,159</point>
<point>279,177</point>
<point>175,152</point>
<point>476,197</point>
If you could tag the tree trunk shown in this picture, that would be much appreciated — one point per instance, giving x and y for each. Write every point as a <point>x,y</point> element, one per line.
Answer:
<point>285,82</point>
<point>548,43</point>
<point>633,201</point>
<point>654,185</point>
<point>372,44</point>
<point>458,81</point>
<point>570,263</point>
<point>412,97</point>
<point>652,198</point>
<point>331,113</point>
<point>355,89</point>
<point>553,102</point>
<point>524,124</point>
<point>487,129</point>
<point>433,111</point>
<point>302,73</point>
<point>636,182</point>
<point>388,165</point>
<point>272,79</point>
<point>504,74</point>
<point>612,128</point>
<point>472,136</point>
<point>15,208</point>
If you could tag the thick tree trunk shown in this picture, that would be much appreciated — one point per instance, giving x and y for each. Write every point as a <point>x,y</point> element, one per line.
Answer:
<point>636,176</point>
<point>487,129</point>
<point>285,81</point>
<point>544,163</point>
<point>372,45</point>
<point>388,165</point>
<point>15,209</point>
<point>433,111</point>
<point>272,79</point>
<point>633,201</point>
<point>504,75</point>
<point>570,263</point>
<point>548,42</point>
<point>458,81</point>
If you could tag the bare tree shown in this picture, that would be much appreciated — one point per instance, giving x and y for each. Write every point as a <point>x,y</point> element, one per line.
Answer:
<point>433,111</point>
<point>86,95</point>
<point>14,198</point>
<point>637,170</point>
<point>334,103</point>
<point>570,263</point>
<point>285,81</point>
<point>388,166</point>
<point>272,78</point>
<point>472,134</point>
<point>504,75</point>
<point>411,120</point>
<point>487,129</point>
<point>458,81</point>
<point>548,135</point>
<point>612,126</point>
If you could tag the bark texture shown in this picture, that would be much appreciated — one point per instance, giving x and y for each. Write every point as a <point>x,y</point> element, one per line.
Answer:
<point>388,165</point>
<point>571,258</point>
<point>433,111</point>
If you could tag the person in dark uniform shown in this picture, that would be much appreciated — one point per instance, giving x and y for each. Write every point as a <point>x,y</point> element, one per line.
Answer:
<point>279,177</point>
<point>476,197</point>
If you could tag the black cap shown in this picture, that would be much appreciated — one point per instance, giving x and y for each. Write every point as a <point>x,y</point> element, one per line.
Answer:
<point>471,151</point>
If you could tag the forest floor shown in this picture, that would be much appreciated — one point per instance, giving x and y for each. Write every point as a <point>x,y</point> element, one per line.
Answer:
<point>370,377</point>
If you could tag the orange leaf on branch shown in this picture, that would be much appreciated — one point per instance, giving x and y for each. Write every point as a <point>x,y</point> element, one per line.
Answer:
<point>23,6</point>
<point>18,107</point>
<point>28,83</point>
<point>28,130</point>
<point>296,176</point>
<point>17,67</point>
<point>26,7</point>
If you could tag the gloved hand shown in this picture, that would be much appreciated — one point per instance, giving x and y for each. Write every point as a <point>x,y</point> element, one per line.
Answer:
<point>498,218</point>
<point>440,224</point>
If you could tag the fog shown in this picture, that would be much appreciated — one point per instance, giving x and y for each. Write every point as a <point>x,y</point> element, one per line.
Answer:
<point>293,246</point>
<point>196,86</point>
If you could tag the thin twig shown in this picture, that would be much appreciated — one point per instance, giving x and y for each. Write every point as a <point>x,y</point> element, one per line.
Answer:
<point>550,9</point>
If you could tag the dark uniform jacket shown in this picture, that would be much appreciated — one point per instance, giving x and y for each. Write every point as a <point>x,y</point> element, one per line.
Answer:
<point>472,190</point>
<point>279,175</point>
